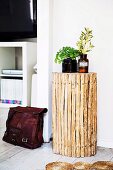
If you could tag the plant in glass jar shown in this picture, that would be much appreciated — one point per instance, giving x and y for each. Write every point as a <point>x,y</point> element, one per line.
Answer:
<point>84,45</point>
<point>67,56</point>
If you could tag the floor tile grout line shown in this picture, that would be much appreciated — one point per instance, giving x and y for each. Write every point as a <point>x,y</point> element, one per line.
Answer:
<point>11,156</point>
<point>7,150</point>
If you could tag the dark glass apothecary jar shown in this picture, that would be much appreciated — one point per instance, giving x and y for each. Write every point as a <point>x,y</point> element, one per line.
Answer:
<point>83,64</point>
<point>69,66</point>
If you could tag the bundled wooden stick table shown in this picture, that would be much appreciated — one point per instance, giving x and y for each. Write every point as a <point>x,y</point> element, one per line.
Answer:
<point>74,114</point>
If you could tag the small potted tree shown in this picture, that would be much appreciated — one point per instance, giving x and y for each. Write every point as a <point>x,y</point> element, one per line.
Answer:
<point>67,56</point>
<point>84,45</point>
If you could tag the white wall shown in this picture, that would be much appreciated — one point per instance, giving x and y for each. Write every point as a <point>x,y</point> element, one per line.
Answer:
<point>69,18</point>
<point>44,61</point>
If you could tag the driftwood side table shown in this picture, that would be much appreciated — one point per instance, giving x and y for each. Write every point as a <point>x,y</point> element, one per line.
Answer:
<point>74,114</point>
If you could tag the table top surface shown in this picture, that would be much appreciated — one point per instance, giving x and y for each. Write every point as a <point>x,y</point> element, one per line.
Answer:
<point>74,73</point>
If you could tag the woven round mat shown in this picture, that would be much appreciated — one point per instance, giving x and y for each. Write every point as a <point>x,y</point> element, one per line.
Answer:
<point>105,165</point>
<point>100,165</point>
<point>59,166</point>
<point>81,165</point>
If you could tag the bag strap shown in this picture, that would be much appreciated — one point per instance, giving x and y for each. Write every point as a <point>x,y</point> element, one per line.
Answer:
<point>40,111</point>
<point>31,110</point>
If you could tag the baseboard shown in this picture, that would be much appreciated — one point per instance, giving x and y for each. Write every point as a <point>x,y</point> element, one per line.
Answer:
<point>105,143</point>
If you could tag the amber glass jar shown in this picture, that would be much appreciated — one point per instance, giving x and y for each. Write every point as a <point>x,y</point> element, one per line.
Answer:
<point>83,64</point>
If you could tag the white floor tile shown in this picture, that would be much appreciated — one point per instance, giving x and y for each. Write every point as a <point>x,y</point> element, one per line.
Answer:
<point>18,158</point>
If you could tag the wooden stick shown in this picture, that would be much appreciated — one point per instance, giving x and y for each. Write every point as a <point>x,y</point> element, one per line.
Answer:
<point>95,114</point>
<point>57,116</point>
<point>66,117</point>
<point>59,113</point>
<point>69,115</point>
<point>86,114</point>
<point>78,116</point>
<point>73,115</point>
<point>90,115</point>
<point>54,113</point>
<point>62,114</point>
<point>82,116</point>
<point>92,118</point>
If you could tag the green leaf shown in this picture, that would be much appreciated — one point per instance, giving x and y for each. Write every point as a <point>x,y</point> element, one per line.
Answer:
<point>84,44</point>
<point>66,52</point>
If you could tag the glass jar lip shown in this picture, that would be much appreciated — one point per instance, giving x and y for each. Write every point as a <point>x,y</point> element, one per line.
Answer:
<point>83,55</point>
<point>67,60</point>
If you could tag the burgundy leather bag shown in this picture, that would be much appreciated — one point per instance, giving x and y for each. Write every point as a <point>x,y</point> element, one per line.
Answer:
<point>24,127</point>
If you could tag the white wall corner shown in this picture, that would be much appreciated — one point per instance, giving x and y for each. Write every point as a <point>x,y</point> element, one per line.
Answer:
<point>44,64</point>
<point>105,143</point>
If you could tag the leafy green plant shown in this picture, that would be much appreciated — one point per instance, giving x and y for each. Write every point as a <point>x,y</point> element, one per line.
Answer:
<point>66,52</point>
<point>84,44</point>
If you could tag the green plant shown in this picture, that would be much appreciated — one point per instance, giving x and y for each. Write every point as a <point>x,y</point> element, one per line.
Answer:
<point>84,44</point>
<point>66,52</point>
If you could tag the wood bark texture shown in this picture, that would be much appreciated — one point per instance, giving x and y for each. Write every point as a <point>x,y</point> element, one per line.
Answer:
<point>74,114</point>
